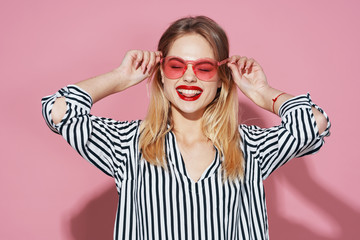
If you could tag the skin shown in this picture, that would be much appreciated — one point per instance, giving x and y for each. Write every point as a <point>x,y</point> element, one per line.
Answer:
<point>190,47</point>
<point>187,115</point>
<point>137,65</point>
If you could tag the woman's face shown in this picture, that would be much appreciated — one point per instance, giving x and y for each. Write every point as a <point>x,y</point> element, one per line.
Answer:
<point>188,95</point>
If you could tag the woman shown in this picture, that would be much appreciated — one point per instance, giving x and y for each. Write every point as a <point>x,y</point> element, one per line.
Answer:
<point>188,171</point>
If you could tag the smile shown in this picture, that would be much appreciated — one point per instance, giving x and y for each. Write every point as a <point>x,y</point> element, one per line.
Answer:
<point>189,93</point>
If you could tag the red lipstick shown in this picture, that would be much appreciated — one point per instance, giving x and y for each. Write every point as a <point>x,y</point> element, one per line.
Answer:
<point>189,93</point>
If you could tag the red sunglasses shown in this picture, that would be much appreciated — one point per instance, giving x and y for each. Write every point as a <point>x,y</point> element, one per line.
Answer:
<point>204,68</point>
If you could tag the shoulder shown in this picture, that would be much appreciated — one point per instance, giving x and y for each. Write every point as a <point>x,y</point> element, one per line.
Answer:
<point>254,136</point>
<point>253,130</point>
<point>124,129</point>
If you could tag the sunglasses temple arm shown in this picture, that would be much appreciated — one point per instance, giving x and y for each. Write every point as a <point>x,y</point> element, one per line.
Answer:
<point>223,61</point>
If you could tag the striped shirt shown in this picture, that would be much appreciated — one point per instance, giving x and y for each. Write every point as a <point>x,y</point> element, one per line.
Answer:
<point>167,204</point>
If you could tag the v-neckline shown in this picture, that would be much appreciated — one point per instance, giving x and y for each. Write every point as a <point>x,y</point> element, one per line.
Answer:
<point>211,168</point>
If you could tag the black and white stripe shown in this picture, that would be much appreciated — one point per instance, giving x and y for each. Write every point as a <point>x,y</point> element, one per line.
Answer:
<point>166,204</point>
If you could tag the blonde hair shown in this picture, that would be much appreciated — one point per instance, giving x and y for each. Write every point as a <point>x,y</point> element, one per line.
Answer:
<point>220,119</point>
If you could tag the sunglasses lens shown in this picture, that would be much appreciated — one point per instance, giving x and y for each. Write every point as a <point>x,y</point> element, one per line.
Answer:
<point>174,68</point>
<point>205,70</point>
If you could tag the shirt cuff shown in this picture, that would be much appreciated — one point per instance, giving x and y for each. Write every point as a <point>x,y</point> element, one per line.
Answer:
<point>76,95</point>
<point>78,102</point>
<point>304,102</point>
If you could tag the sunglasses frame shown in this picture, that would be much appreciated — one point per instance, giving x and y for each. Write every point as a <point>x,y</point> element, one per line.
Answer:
<point>193,63</point>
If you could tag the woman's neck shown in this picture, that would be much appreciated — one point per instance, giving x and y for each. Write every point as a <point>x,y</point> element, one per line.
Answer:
<point>188,127</point>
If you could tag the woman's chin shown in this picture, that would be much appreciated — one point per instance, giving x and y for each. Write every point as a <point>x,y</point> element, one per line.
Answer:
<point>189,111</point>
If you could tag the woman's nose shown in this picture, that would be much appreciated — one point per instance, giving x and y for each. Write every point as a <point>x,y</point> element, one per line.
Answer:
<point>189,74</point>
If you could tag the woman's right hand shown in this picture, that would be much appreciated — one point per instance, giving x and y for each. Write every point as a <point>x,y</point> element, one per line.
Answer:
<point>136,66</point>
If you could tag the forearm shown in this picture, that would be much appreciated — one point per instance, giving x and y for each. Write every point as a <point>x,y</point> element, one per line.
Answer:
<point>251,80</point>
<point>97,87</point>
<point>265,100</point>
<point>136,66</point>
<point>103,85</point>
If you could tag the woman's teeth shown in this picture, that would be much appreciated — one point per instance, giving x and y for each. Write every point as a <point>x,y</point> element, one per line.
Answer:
<point>188,92</point>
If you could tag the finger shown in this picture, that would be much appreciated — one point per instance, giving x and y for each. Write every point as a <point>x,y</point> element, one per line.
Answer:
<point>248,65</point>
<point>139,59</point>
<point>151,63</point>
<point>234,70</point>
<point>158,54</point>
<point>242,63</point>
<point>256,65</point>
<point>233,65</point>
<point>234,59</point>
<point>145,61</point>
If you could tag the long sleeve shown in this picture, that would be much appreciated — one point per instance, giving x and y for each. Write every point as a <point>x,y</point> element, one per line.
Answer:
<point>298,135</point>
<point>102,141</point>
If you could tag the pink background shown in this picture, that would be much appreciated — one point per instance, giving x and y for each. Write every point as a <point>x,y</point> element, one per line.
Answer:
<point>49,192</point>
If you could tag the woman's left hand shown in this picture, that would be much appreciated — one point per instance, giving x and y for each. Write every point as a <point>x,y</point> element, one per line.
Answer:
<point>248,76</point>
